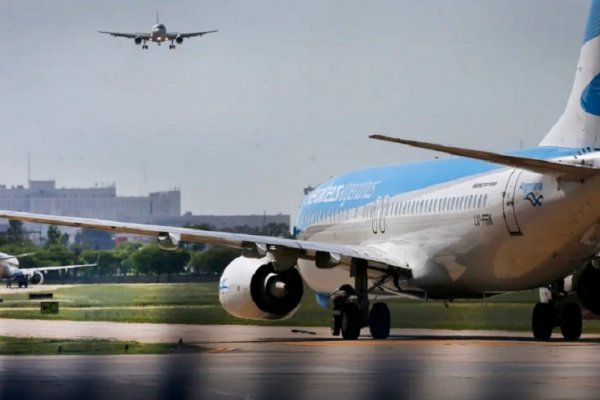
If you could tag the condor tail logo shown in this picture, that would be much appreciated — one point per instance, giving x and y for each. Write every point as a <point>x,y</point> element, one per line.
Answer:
<point>533,199</point>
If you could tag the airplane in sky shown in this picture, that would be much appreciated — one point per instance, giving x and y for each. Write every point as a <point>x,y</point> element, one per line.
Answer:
<point>158,35</point>
<point>11,272</point>
<point>470,226</point>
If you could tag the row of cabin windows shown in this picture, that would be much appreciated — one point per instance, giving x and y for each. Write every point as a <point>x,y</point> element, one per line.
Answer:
<point>402,208</point>
<point>428,206</point>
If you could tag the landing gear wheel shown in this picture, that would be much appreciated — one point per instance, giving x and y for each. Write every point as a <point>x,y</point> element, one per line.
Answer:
<point>379,321</point>
<point>542,321</point>
<point>350,321</point>
<point>336,325</point>
<point>570,321</point>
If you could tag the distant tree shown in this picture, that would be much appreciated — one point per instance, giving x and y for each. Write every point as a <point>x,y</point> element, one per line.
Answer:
<point>125,252</point>
<point>151,259</point>
<point>56,237</point>
<point>108,261</point>
<point>15,232</point>
<point>213,260</point>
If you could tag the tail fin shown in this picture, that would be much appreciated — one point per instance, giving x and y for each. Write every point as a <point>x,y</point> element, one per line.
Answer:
<point>579,126</point>
<point>157,21</point>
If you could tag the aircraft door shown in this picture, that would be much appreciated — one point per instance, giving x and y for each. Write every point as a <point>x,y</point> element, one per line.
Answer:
<point>508,203</point>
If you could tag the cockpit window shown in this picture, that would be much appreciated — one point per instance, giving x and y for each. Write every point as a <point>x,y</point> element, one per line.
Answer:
<point>160,26</point>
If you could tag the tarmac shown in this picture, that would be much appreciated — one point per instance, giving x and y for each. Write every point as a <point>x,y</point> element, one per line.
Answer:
<point>262,362</point>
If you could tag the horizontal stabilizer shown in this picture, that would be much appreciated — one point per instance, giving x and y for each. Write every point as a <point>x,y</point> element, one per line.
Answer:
<point>564,171</point>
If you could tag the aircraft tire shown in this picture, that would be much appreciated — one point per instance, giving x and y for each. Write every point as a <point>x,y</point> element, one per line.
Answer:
<point>571,321</point>
<point>379,321</point>
<point>350,321</point>
<point>542,321</point>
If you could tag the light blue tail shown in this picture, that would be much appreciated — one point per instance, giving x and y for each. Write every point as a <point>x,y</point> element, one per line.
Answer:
<point>579,126</point>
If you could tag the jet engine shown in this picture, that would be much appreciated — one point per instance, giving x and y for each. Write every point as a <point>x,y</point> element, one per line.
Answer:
<point>37,278</point>
<point>587,286</point>
<point>137,40</point>
<point>250,288</point>
<point>179,39</point>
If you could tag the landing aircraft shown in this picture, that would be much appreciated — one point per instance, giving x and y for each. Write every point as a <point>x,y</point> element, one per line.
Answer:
<point>470,226</point>
<point>10,271</point>
<point>158,35</point>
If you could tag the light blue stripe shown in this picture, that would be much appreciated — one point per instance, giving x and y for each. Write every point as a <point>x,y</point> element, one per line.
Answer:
<point>593,24</point>
<point>403,178</point>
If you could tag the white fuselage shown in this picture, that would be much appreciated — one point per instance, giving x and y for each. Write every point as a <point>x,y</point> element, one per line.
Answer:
<point>9,267</point>
<point>504,230</point>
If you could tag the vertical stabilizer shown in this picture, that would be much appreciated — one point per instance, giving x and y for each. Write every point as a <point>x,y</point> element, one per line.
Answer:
<point>579,126</point>
<point>157,22</point>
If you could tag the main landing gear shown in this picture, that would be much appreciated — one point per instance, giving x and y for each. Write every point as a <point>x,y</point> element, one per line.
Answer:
<point>552,313</point>
<point>172,46</point>
<point>353,306</point>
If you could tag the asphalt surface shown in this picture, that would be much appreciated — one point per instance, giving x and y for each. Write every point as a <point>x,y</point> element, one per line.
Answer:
<point>249,362</point>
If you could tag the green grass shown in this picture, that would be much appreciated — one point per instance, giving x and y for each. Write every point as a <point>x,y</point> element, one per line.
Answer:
<point>197,303</point>
<point>34,346</point>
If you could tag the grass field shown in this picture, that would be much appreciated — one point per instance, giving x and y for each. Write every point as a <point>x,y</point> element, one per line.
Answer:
<point>37,347</point>
<point>197,303</point>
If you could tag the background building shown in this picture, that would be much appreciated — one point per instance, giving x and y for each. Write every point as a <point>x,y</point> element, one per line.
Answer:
<point>44,197</point>
<point>159,208</point>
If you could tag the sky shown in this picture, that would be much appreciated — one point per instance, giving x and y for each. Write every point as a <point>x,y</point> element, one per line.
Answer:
<point>282,97</point>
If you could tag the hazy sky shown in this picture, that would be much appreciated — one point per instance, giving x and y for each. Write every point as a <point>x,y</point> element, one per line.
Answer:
<point>283,96</point>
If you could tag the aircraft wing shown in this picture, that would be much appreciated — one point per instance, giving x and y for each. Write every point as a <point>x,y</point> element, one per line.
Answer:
<point>27,271</point>
<point>174,35</point>
<point>565,171</point>
<point>145,36</point>
<point>326,254</point>
<point>9,257</point>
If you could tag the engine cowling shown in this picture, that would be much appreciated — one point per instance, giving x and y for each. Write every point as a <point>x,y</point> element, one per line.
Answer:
<point>586,283</point>
<point>137,40</point>
<point>37,278</point>
<point>250,288</point>
<point>168,241</point>
<point>179,39</point>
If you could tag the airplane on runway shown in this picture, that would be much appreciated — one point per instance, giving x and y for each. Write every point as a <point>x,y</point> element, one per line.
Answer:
<point>469,226</point>
<point>10,271</point>
<point>158,35</point>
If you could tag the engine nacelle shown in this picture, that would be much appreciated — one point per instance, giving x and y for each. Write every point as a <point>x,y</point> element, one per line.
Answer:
<point>37,278</point>
<point>179,39</point>
<point>250,288</point>
<point>587,286</point>
<point>168,241</point>
<point>137,40</point>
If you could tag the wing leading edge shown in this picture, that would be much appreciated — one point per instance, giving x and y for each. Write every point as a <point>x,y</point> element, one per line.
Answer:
<point>326,255</point>
<point>567,172</point>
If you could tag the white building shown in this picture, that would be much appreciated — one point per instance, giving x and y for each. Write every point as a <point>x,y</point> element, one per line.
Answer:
<point>99,202</point>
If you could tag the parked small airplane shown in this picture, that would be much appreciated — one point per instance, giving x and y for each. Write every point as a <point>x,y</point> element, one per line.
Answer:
<point>158,35</point>
<point>10,271</point>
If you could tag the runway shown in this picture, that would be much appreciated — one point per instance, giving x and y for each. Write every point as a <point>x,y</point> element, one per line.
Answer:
<point>258,362</point>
